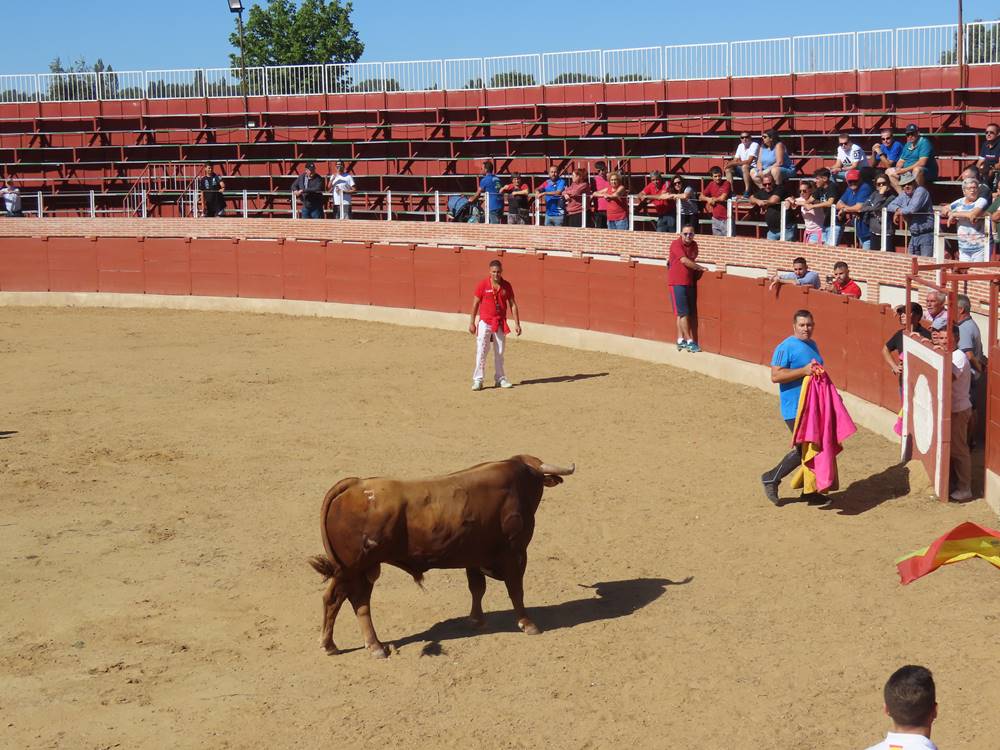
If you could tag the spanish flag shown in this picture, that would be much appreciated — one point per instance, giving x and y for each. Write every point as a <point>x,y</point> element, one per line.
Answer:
<point>962,542</point>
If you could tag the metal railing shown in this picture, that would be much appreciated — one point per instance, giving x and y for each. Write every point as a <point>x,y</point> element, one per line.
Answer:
<point>910,47</point>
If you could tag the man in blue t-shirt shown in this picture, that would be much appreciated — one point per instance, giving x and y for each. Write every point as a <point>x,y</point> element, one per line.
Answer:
<point>793,359</point>
<point>800,275</point>
<point>551,190</point>
<point>489,183</point>
<point>917,157</point>
<point>886,152</point>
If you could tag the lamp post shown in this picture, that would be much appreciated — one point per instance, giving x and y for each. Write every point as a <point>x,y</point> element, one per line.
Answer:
<point>236,6</point>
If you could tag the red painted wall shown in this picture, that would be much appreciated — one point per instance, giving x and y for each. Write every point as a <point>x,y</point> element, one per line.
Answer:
<point>738,317</point>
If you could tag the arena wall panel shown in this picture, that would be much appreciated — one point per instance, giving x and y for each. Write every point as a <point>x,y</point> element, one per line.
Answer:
<point>611,295</point>
<point>24,265</point>
<point>214,268</point>
<point>72,264</point>
<point>391,281</point>
<point>167,265</point>
<point>437,280</point>
<point>348,274</point>
<point>259,269</point>
<point>303,268</point>
<point>567,296</point>
<point>654,314</point>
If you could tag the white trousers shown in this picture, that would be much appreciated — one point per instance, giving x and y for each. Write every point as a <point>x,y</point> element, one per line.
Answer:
<point>485,337</point>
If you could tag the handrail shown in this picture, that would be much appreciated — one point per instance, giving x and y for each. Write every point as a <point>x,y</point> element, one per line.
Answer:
<point>879,49</point>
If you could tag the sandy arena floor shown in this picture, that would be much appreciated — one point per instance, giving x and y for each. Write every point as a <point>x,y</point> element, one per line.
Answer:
<point>160,490</point>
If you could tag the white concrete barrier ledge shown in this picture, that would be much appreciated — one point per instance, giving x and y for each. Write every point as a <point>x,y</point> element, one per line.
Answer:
<point>865,413</point>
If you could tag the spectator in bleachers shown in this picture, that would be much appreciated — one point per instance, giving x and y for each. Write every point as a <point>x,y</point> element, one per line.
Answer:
<point>742,161</point>
<point>574,195</point>
<point>489,184</point>
<point>968,212</point>
<point>850,156</point>
<point>11,195</point>
<point>989,156</point>
<point>811,216</point>
<point>651,198</point>
<point>886,152</point>
<point>800,275</point>
<point>850,204</point>
<point>871,214</point>
<point>892,352</point>
<point>961,409</point>
<point>768,201</point>
<point>934,309</point>
<point>308,189</point>
<point>715,196</point>
<point>842,283</point>
<point>913,205</point>
<point>683,193</point>
<point>211,186</point>
<point>825,197</point>
<point>599,182</point>
<point>616,196</point>
<point>911,703</point>
<point>341,187</point>
<point>773,159</point>
<point>517,199</point>
<point>973,173</point>
<point>916,158</point>
<point>552,190</point>
<point>970,343</point>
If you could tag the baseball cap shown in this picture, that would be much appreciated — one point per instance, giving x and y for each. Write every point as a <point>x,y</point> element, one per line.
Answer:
<point>907,178</point>
<point>853,174</point>
<point>912,128</point>
<point>310,166</point>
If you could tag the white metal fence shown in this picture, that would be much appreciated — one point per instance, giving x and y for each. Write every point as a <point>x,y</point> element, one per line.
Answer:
<point>911,47</point>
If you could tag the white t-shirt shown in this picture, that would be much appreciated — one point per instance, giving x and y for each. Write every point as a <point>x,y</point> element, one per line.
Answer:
<point>11,199</point>
<point>971,233</point>
<point>744,152</point>
<point>901,741</point>
<point>337,184</point>
<point>960,385</point>
<point>846,157</point>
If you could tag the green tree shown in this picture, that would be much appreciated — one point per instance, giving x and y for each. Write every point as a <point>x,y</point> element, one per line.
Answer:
<point>982,45</point>
<point>511,79</point>
<point>314,32</point>
<point>564,78</point>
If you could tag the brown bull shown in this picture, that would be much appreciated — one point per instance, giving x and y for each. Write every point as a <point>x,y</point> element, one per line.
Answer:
<point>480,519</point>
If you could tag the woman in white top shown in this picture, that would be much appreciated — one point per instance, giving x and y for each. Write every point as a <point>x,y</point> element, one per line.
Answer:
<point>341,186</point>
<point>811,217</point>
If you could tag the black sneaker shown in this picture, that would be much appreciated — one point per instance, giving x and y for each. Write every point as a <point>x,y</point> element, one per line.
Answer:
<point>815,498</point>
<point>770,489</point>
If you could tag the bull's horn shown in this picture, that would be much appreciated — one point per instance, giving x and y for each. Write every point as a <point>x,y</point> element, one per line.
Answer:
<point>557,470</point>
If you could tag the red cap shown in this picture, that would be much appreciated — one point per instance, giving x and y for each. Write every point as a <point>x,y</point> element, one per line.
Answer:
<point>853,174</point>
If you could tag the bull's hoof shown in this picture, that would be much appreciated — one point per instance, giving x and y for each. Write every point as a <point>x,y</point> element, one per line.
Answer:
<point>528,627</point>
<point>477,623</point>
<point>378,651</point>
<point>331,649</point>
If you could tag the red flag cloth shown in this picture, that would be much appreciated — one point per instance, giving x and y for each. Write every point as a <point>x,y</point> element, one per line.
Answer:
<point>962,542</point>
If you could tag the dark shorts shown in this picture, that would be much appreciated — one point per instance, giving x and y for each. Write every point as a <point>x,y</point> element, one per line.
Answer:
<point>685,300</point>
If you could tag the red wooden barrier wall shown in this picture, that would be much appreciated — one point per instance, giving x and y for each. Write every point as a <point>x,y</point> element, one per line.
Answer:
<point>738,317</point>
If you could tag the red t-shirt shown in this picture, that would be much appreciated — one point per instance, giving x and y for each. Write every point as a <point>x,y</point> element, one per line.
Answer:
<point>573,195</point>
<point>493,307</point>
<point>678,274</point>
<point>617,208</point>
<point>850,289</point>
<point>721,190</point>
<point>658,208</point>
<point>599,184</point>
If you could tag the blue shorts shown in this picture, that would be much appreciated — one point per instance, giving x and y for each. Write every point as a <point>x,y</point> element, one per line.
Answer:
<point>685,300</point>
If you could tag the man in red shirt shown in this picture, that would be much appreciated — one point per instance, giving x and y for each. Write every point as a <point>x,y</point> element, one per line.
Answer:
<point>493,296</point>
<point>715,197</point>
<point>842,282</point>
<point>665,219</point>
<point>682,274</point>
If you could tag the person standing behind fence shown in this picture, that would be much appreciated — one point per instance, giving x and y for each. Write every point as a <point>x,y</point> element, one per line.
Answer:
<point>682,276</point>
<point>961,409</point>
<point>914,205</point>
<point>600,182</point>
<point>715,195</point>
<point>517,199</point>
<point>742,162</point>
<point>968,212</point>
<point>825,196</point>
<point>574,195</point>
<point>616,195</point>
<point>911,703</point>
<point>494,295</point>
<point>341,186</point>
<point>552,191</point>
<point>651,197</point>
<point>811,216</point>
<point>684,194</point>
<point>211,187</point>
<point>871,213</point>
<point>489,184</point>
<point>768,200</point>
<point>308,190</point>
<point>11,196</point>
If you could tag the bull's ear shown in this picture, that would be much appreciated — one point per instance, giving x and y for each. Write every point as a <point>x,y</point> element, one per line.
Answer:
<point>551,480</point>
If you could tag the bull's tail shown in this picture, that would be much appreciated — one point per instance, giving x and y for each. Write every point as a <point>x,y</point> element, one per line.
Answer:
<point>324,566</point>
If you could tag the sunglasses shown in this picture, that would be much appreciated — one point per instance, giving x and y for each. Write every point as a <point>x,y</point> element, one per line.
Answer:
<point>992,132</point>
<point>745,137</point>
<point>881,184</point>
<point>886,137</point>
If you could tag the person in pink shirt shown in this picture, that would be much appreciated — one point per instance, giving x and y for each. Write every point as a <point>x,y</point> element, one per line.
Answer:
<point>715,196</point>
<point>616,195</point>
<point>574,195</point>
<point>812,217</point>
<point>600,182</point>
<point>494,295</point>
<point>659,209</point>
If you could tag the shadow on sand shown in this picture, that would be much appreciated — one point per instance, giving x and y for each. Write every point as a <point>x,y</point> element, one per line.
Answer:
<point>865,494</point>
<point>614,599</point>
<point>564,378</point>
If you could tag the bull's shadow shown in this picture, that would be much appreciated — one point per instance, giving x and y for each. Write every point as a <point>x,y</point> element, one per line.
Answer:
<point>613,599</point>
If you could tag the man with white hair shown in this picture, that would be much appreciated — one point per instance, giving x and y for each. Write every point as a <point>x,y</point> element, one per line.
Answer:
<point>935,312</point>
<point>914,205</point>
<point>968,211</point>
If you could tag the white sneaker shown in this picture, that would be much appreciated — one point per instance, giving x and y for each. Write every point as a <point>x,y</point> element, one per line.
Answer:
<point>477,384</point>
<point>961,495</point>
<point>504,383</point>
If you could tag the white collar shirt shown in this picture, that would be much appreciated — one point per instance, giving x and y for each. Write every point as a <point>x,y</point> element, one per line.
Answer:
<point>901,741</point>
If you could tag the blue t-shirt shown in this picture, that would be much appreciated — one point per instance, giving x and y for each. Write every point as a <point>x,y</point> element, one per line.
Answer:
<point>490,184</point>
<point>920,149</point>
<point>791,354</point>
<point>891,152</point>
<point>852,197</point>
<point>809,278</point>
<point>554,203</point>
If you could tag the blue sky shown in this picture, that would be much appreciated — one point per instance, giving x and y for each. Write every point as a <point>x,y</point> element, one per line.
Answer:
<point>143,35</point>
